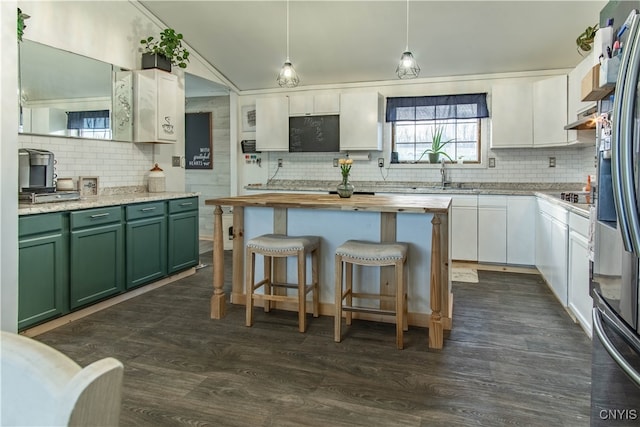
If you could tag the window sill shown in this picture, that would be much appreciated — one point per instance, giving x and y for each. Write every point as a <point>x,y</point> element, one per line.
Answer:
<point>437,166</point>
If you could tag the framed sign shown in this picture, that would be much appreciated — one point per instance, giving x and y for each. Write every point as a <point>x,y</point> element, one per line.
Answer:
<point>198,141</point>
<point>249,118</point>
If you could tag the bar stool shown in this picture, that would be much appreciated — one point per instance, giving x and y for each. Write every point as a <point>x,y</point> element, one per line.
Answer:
<point>357,252</point>
<point>279,246</point>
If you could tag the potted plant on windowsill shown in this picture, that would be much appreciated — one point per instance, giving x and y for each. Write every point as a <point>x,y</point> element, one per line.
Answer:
<point>437,147</point>
<point>164,52</point>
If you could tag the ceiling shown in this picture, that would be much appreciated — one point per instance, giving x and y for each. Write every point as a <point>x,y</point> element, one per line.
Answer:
<point>335,42</point>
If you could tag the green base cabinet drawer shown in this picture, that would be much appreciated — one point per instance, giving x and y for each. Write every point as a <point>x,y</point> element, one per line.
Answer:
<point>146,250</point>
<point>96,263</point>
<point>43,285</point>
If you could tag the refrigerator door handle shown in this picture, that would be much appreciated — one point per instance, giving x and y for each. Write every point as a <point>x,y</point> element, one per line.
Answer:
<point>623,124</point>
<point>610,348</point>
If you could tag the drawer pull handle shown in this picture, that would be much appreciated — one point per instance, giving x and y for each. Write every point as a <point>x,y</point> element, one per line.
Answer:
<point>186,204</point>
<point>99,215</point>
<point>148,209</point>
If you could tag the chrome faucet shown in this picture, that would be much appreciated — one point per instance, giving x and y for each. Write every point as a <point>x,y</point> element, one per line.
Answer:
<point>443,174</point>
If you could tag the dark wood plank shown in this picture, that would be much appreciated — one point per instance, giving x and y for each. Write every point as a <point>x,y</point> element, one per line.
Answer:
<point>513,357</point>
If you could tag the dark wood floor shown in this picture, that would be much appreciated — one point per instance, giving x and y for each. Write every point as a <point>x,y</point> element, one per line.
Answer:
<point>514,357</point>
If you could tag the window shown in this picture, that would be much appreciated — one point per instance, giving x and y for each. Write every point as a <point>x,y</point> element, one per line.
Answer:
<point>416,119</point>
<point>89,124</point>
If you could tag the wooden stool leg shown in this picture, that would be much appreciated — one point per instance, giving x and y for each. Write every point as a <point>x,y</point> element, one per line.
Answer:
<point>315,282</point>
<point>405,303</point>
<point>349,289</point>
<point>337,317</point>
<point>302,295</point>
<point>267,286</point>
<point>400,319</point>
<point>250,271</point>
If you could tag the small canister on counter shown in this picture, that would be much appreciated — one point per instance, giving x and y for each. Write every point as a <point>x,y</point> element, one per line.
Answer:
<point>156,180</point>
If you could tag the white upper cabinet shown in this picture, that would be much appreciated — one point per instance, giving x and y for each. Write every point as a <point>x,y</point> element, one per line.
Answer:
<point>155,106</point>
<point>550,111</point>
<point>529,114</point>
<point>361,120</point>
<point>307,105</point>
<point>511,115</point>
<point>272,124</point>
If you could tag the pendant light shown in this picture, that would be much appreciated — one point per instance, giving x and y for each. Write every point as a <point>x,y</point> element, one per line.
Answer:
<point>288,76</point>
<point>408,67</point>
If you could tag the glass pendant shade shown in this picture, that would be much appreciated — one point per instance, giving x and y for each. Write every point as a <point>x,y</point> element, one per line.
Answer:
<point>288,76</point>
<point>408,67</point>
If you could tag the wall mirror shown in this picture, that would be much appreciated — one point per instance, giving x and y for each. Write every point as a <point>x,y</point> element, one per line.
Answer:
<point>70,95</point>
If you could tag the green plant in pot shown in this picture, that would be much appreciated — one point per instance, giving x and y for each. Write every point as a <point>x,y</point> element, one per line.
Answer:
<point>437,146</point>
<point>585,40</point>
<point>164,52</point>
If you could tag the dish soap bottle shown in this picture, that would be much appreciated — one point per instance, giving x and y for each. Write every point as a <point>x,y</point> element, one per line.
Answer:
<point>587,188</point>
<point>156,180</point>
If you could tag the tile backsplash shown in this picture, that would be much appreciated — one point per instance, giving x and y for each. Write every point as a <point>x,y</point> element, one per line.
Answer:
<point>117,164</point>
<point>511,165</point>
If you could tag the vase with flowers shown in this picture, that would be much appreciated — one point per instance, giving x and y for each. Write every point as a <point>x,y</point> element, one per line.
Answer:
<point>345,188</point>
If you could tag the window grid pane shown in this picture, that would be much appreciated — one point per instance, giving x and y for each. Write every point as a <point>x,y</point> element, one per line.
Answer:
<point>412,138</point>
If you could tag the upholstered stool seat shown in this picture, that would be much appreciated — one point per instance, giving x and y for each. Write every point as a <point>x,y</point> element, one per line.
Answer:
<point>358,252</point>
<point>272,246</point>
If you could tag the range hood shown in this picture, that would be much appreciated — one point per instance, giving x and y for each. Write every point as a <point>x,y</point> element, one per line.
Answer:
<point>586,120</point>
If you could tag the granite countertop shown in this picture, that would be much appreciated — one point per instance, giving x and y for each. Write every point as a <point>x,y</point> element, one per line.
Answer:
<point>409,187</point>
<point>548,191</point>
<point>87,202</point>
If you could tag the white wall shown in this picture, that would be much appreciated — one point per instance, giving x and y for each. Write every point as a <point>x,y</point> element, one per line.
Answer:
<point>9,170</point>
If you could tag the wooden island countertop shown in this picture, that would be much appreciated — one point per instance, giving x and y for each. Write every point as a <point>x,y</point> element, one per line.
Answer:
<point>389,207</point>
<point>357,202</point>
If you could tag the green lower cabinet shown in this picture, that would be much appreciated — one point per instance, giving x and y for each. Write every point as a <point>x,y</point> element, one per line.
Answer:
<point>43,284</point>
<point>183,234</point>
<point>96,255</point>
<point>146,243</point>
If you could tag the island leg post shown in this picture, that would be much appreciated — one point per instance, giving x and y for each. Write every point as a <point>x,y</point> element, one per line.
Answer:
<point>436,336</point>
<point>218,299</point>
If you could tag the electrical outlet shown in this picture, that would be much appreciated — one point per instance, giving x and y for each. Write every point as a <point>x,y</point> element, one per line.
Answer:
<point>552,162</point>
<point>279,163</point>
<point>335,163</point>
<point>492,162</point>
<point>381,162</point>
<point>175,161</point>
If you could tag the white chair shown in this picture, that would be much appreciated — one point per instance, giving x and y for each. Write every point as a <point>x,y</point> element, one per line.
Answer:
<point>42,387</point>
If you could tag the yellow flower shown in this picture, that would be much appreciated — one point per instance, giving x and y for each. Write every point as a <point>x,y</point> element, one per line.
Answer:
<point>345,167</point>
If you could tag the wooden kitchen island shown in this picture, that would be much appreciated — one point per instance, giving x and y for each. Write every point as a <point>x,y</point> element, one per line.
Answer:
<point>422,221</point>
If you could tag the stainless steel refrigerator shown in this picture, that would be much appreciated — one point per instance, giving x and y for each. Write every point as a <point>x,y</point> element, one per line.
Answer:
<point>615,369</point>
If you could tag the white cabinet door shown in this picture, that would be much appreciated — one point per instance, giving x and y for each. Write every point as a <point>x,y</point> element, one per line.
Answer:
<point>492,229</point>
<point>155,108</point>
<point>550,111</point>
<point>306,105</point>
<point>300,105</point>
<point>559,242</point>
<point>464,228</point>
<point>272,124</point>
<point>580,301</point>
<point>327,103</point>
<point>543,244</point>
<point>511,115</point>
<point>521,230</point>
<point>361,119</point>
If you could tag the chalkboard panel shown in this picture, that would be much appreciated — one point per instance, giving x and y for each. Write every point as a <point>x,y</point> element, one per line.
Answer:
<point>197,146</point>
<point>314,134</point>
